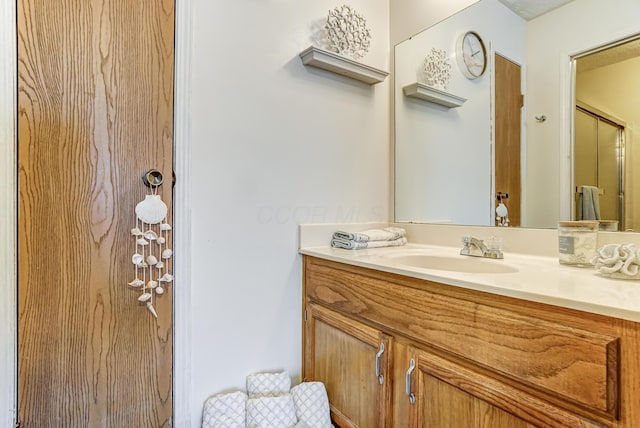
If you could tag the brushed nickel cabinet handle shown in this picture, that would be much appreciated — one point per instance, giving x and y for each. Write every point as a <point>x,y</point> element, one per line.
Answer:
<point>378,357</point>
<point>412,365</point>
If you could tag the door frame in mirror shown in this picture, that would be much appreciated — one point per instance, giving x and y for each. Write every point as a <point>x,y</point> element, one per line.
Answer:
<point>567,126</point>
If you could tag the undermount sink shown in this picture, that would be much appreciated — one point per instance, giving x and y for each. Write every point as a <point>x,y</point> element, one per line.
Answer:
<point>454,264</point>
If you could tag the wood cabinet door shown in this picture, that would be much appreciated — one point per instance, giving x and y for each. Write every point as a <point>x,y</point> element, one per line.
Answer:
<point>353,361</point>
<point>95,112</point>
<point>450,395</point>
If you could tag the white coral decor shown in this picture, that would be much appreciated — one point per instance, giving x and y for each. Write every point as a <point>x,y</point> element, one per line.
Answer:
<point>437,69</point>
<point>347,32</point>
<point>620,261</point>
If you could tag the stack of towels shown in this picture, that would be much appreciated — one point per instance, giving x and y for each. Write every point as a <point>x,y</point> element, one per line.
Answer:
<point>373,238</point>
<point>270,402</point>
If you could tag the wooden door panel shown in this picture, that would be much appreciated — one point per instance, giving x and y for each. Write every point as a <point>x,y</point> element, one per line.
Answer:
<point>449,395</point>
<point>344,359</point>
<point>95,105</point>
<point>468,411</point>
<point>508,104</point>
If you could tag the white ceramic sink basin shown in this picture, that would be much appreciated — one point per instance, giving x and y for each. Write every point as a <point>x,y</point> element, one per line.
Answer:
<point>454,264</point>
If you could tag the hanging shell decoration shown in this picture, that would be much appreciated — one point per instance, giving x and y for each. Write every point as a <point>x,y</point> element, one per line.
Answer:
<point>152,257</point>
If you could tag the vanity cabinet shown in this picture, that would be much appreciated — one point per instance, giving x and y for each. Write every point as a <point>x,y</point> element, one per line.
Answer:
<point>456,357</point>
<point>352,359</point>
<point>445,394</point>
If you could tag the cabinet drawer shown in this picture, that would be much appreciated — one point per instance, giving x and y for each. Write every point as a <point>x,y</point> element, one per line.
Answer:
<point>453,395</point>
<point>570,363</point>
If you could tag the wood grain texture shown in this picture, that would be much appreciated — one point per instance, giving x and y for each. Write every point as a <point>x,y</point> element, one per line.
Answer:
<point>508,120</point>
<point>595,356</point>
<point>557,357</point>
<point>445,406</point>
<point>469,398</point>
<point>344,360</point>
<point>629,415</point>
<point>95,103</point>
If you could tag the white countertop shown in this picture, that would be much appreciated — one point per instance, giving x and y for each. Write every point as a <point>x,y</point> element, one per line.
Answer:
<point>539,279</point>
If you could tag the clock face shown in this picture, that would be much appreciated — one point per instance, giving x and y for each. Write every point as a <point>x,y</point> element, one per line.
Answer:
<point>472,55</point>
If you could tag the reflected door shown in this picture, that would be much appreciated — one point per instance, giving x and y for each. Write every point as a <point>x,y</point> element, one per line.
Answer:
<point>508,105</point>
<point>598,161</point>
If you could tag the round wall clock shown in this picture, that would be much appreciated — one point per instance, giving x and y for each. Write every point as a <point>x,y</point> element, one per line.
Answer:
<point>471,55</point>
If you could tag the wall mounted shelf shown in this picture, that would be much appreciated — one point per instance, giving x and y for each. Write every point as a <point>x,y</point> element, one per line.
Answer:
<point>433,95</point>
<point>331,61</point>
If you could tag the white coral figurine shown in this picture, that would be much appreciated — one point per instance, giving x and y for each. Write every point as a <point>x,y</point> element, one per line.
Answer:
<point>618,261</point>
<point>347,32</point>
<point>437,69</point>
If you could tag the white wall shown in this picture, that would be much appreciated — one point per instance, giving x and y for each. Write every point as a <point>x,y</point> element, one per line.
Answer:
<point>409,17</point>
<point>444,156</point>
<point>552,39</point>
<point>274,144</point>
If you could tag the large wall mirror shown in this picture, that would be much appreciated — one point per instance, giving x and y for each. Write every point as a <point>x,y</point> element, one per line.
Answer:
<point>514,133</point>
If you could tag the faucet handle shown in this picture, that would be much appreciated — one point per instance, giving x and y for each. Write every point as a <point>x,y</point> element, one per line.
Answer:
<point>494,248</point>
<point>467,241</point>
<point>477,247</point>
<point>470,240</point>
<point>495,243</point>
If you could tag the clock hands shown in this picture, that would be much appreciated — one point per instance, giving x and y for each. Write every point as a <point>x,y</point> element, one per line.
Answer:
<point>471,54</point>
<point>471,61</point>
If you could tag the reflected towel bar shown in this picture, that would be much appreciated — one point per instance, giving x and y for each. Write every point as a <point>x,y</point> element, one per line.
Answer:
<point>579,190</point>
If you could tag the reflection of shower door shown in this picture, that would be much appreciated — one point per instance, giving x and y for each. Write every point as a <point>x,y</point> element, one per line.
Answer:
<point>599,161</point>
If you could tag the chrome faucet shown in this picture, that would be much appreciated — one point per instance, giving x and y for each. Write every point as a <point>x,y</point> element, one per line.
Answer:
<point>477,248</point>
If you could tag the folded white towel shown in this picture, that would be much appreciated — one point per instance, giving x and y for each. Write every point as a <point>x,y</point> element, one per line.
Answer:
<point>268,384</point>
<point>225,411</point>
<point>386,234</point>
<point>312,404</point>
<point>270,404</point>
<point>271,412</point>
<point>354,245</point>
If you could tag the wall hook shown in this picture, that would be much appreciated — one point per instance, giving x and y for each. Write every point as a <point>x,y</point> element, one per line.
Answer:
<point>541,119</point>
